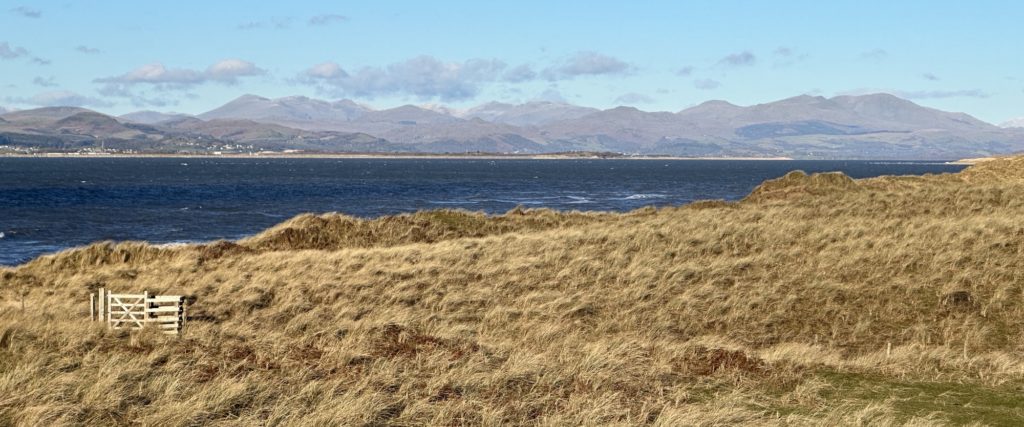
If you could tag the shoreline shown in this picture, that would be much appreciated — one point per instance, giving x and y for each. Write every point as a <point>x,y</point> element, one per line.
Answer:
<point>973,161</point>
<point>385,156</point>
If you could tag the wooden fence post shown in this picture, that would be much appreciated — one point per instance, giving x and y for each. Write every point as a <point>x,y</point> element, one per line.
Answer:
<point>145,307</point>
<point>92,307</point>
<point>100,304</point>
<point>107,305</point>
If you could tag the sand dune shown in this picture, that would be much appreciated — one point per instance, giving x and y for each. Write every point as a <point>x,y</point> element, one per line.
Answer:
<point>816,300</point>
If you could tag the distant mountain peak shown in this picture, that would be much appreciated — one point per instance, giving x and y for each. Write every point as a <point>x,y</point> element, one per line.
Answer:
<point>441,108</point>
<point>407,114</point>
<point>409,107</point>
<point>44,113</point>
<point>348,103</point>
<point>294,111</point>
<point>250,97</point>
<point>718,103</point>
<point>878,96</point>
<point>715,106</point>
<point>880,99</point>
<point>800,99</point>
<point>1013,123</point>
<point>496,104</point>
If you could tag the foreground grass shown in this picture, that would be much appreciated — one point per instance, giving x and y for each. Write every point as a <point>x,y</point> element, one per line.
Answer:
<point>816,300</point>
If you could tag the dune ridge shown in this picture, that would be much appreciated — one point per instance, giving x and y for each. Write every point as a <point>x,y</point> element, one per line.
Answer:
<point>817,299</point>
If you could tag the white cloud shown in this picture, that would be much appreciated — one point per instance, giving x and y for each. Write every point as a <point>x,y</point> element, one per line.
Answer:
<point>874,55</point>
<point>427,77</point>
<point>706,84</point>
<point>551,95</point>
<point>157,73</point>
<point>633,98</point>
<point>587,64</point>
<point>327,19</point>
<point>520,74</point>
<point>27,12</point>
<point>326,70</point>
<point>140,99</point>
<point>62,98</point>
<point>938,94</point>
<point>921,94</point>
<point>685,71</point>
<point>11,52</point>
<point>274,23</point>
<point>424,77</point>
<point>157,76</point>
<point>87,50</point>
<point>227,71</point>
<point>44,81</point>
<point>786,56</point>
<point>739,59</point>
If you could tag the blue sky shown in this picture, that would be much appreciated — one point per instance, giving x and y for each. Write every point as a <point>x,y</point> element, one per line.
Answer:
<point>191,56</point>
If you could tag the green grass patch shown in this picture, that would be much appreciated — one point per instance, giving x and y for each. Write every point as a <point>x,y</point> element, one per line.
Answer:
<point>958,403</point>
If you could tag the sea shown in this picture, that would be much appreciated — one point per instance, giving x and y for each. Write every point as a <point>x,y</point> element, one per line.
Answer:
<point>49,204</point>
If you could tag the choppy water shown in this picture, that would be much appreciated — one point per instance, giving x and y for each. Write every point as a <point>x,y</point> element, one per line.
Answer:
<point>48,204</point>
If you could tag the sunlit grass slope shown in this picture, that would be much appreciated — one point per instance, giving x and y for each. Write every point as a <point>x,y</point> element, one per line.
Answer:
<point>815,300</point>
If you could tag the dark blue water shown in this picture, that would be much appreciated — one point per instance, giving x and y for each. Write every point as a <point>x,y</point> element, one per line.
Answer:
<point>47,204</point>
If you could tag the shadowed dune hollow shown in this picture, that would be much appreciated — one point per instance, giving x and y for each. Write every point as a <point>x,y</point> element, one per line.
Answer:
<point>816,299</point>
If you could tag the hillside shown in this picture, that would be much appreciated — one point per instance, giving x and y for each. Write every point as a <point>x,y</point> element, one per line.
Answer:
<point>66,129</point>
<point>151,117</point>
<point>874,126</point>
<point>536,113</point>
<point>294,111</point>
<point>815,300</point>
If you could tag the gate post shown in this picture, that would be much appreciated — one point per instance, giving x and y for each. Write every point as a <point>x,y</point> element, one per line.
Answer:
<point>100,303</point>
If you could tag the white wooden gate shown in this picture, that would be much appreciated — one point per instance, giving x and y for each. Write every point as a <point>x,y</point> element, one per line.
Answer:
<point>126,310</point>
<point>134,311</point>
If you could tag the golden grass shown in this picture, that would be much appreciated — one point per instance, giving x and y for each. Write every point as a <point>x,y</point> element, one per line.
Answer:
<point>816,300</point>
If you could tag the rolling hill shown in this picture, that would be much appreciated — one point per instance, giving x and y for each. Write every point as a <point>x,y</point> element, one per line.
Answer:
<point>868,126</point>
<point>876,126</point>
<point>64,129</point>
<point>294,111</point>
<point>151,117</point>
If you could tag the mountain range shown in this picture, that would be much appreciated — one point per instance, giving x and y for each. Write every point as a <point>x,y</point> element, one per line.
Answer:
<point>876,126</point>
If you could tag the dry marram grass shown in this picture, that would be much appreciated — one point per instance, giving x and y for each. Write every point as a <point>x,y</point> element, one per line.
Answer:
<point>816,300</point>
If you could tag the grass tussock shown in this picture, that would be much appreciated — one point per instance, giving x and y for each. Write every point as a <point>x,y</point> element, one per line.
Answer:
<point>816,300</point>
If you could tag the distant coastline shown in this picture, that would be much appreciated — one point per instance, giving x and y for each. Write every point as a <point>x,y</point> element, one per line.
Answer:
<point>976,160</point>
<point>475,156</point>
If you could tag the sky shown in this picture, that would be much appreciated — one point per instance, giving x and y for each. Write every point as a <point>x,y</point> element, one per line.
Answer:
<point>192,56</point>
